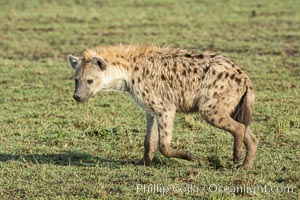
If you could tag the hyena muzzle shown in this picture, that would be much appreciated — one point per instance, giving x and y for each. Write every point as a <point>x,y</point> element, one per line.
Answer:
<point>164,81</point>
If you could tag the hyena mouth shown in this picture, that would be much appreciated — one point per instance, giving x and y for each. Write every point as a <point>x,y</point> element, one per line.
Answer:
<point>81,99</point>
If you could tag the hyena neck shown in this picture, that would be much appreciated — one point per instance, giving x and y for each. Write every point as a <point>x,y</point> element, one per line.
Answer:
<point>116,78</point>
<point>120,60</point>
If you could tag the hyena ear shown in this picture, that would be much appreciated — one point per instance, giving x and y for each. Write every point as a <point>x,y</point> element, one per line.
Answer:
<point>73,61</point>
<point>100,63</point>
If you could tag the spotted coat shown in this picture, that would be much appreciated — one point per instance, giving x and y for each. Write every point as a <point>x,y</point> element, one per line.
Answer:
<point>164,81</point>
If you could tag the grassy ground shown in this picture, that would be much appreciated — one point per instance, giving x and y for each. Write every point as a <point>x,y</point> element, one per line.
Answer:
<point>53,148</point>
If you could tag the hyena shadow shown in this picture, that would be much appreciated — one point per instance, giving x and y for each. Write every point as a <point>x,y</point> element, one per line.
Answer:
<point>87,160</point>
<point>66,159</point>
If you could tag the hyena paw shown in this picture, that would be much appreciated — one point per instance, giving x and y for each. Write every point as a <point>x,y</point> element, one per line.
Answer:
<point>188,155</point>
<point>145,162</point>
<point>245,166</point>
<point>238,156</point>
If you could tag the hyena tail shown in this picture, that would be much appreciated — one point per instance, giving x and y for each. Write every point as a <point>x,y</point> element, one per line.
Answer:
<point>243,111</point>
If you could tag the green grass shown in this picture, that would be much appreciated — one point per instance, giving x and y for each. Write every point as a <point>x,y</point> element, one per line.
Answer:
<point>54,148</point>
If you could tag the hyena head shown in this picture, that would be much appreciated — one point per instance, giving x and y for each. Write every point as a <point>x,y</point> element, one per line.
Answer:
<point>88,76</point>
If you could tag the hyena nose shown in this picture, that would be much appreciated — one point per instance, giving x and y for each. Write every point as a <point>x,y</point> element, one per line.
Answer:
<point>77,97</point>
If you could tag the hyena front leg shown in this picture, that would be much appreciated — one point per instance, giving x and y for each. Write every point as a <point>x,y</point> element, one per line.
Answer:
<point>165,127</point>
<point>151,139</point>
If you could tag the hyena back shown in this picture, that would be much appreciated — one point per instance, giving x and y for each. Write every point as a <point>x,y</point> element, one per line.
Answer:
<point>164,81</point>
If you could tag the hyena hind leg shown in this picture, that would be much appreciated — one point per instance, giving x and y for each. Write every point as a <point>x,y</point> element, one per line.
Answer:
<point>225,122</point>
<point>251,146</point>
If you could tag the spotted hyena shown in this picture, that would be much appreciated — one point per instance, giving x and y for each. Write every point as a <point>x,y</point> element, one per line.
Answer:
<point>164,81</point>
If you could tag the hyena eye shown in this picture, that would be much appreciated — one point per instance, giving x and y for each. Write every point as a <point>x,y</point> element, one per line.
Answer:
<point>90,81</point>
